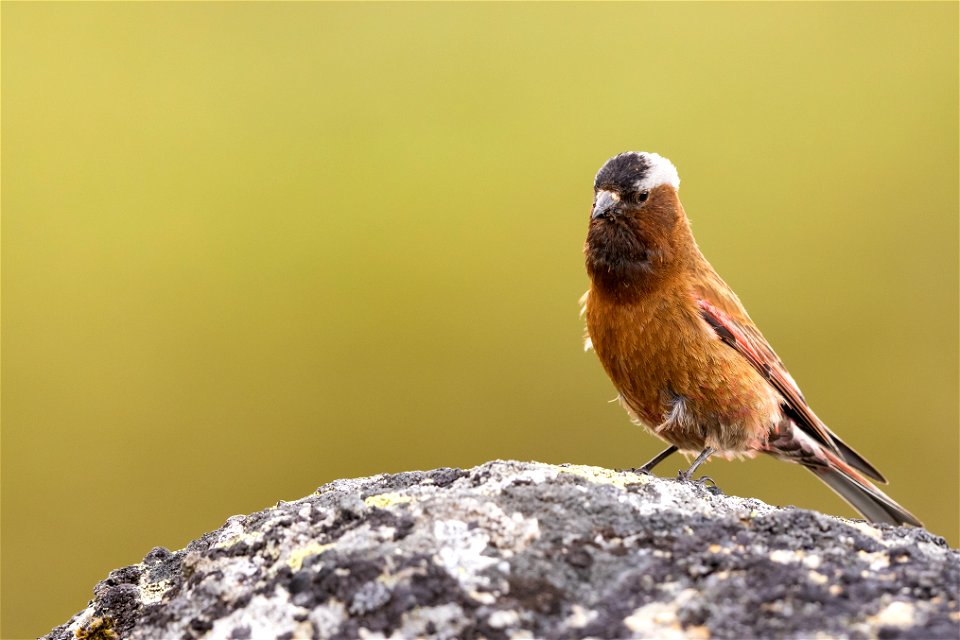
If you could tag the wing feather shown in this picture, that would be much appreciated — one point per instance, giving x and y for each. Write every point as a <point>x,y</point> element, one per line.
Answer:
<point>748,342</point>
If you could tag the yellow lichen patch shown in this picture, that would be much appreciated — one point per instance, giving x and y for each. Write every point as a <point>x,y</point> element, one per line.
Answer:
<point>786,556</point>
<point>659,620</point>
<point>817,578</point>
<point>297,556</point>
<point>233,534</point>
<point>868,530</point>
<point>97,629</point>
<point>877,560</point>
<point>696,633</point>
<point>385,500</point>
<point>605,476</point>
<point>249,538</point>
<point>895,614</point>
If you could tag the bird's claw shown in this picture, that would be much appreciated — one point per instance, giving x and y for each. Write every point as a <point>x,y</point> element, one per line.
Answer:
<point>704,482</point>
<point>641,471</point>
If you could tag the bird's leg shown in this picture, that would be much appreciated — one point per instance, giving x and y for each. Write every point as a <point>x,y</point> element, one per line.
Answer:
<point>660,457</point>
<point>688,474</point>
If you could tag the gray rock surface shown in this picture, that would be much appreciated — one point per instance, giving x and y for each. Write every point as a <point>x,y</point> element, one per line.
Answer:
<point>511,549</point>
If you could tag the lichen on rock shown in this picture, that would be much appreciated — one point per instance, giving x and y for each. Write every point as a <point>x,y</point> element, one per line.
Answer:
<point>510,549</point>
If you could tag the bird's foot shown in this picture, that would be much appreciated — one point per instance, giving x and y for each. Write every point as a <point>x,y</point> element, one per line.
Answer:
<point>704,482</point>
<point>686,476</point>
<point>640,471</point>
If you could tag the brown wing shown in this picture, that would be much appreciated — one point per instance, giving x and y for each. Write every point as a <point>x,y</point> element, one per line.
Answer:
<point>748,342</point>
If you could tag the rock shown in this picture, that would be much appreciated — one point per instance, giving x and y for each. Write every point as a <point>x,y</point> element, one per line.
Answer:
<point>511,549</point>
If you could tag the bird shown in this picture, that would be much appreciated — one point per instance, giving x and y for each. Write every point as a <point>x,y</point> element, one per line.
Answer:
<point>686,360</point>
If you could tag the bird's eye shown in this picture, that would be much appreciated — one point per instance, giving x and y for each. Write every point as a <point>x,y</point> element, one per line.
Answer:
<point>641,196</point>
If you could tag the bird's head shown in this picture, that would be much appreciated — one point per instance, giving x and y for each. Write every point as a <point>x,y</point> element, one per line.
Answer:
<point>636,223</point>
<point>631,181</point>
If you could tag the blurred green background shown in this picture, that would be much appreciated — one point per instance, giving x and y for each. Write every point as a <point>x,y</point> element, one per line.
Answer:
<point>252,248</point>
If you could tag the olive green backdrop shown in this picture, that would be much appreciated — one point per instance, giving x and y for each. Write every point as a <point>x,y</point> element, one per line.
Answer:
<point>252,248</point>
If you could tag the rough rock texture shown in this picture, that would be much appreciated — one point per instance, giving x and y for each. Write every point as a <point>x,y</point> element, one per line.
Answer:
<point>511,549</point>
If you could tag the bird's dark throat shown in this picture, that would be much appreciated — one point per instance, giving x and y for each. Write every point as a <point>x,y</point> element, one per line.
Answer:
<point>619,262</point>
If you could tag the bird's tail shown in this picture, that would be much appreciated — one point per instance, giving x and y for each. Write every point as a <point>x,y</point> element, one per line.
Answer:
<point>861,494</point>
<point>795,446</point>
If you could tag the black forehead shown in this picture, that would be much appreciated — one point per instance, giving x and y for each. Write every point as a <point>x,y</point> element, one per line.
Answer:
<point>622,171</point>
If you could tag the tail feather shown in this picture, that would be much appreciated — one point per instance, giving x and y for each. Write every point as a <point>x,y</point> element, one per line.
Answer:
<point>857,461</point>
<point>791,444</point>
<point>863,496</point>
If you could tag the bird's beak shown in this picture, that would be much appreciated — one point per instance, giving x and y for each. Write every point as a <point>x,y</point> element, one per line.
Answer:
<point>606,200</point>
